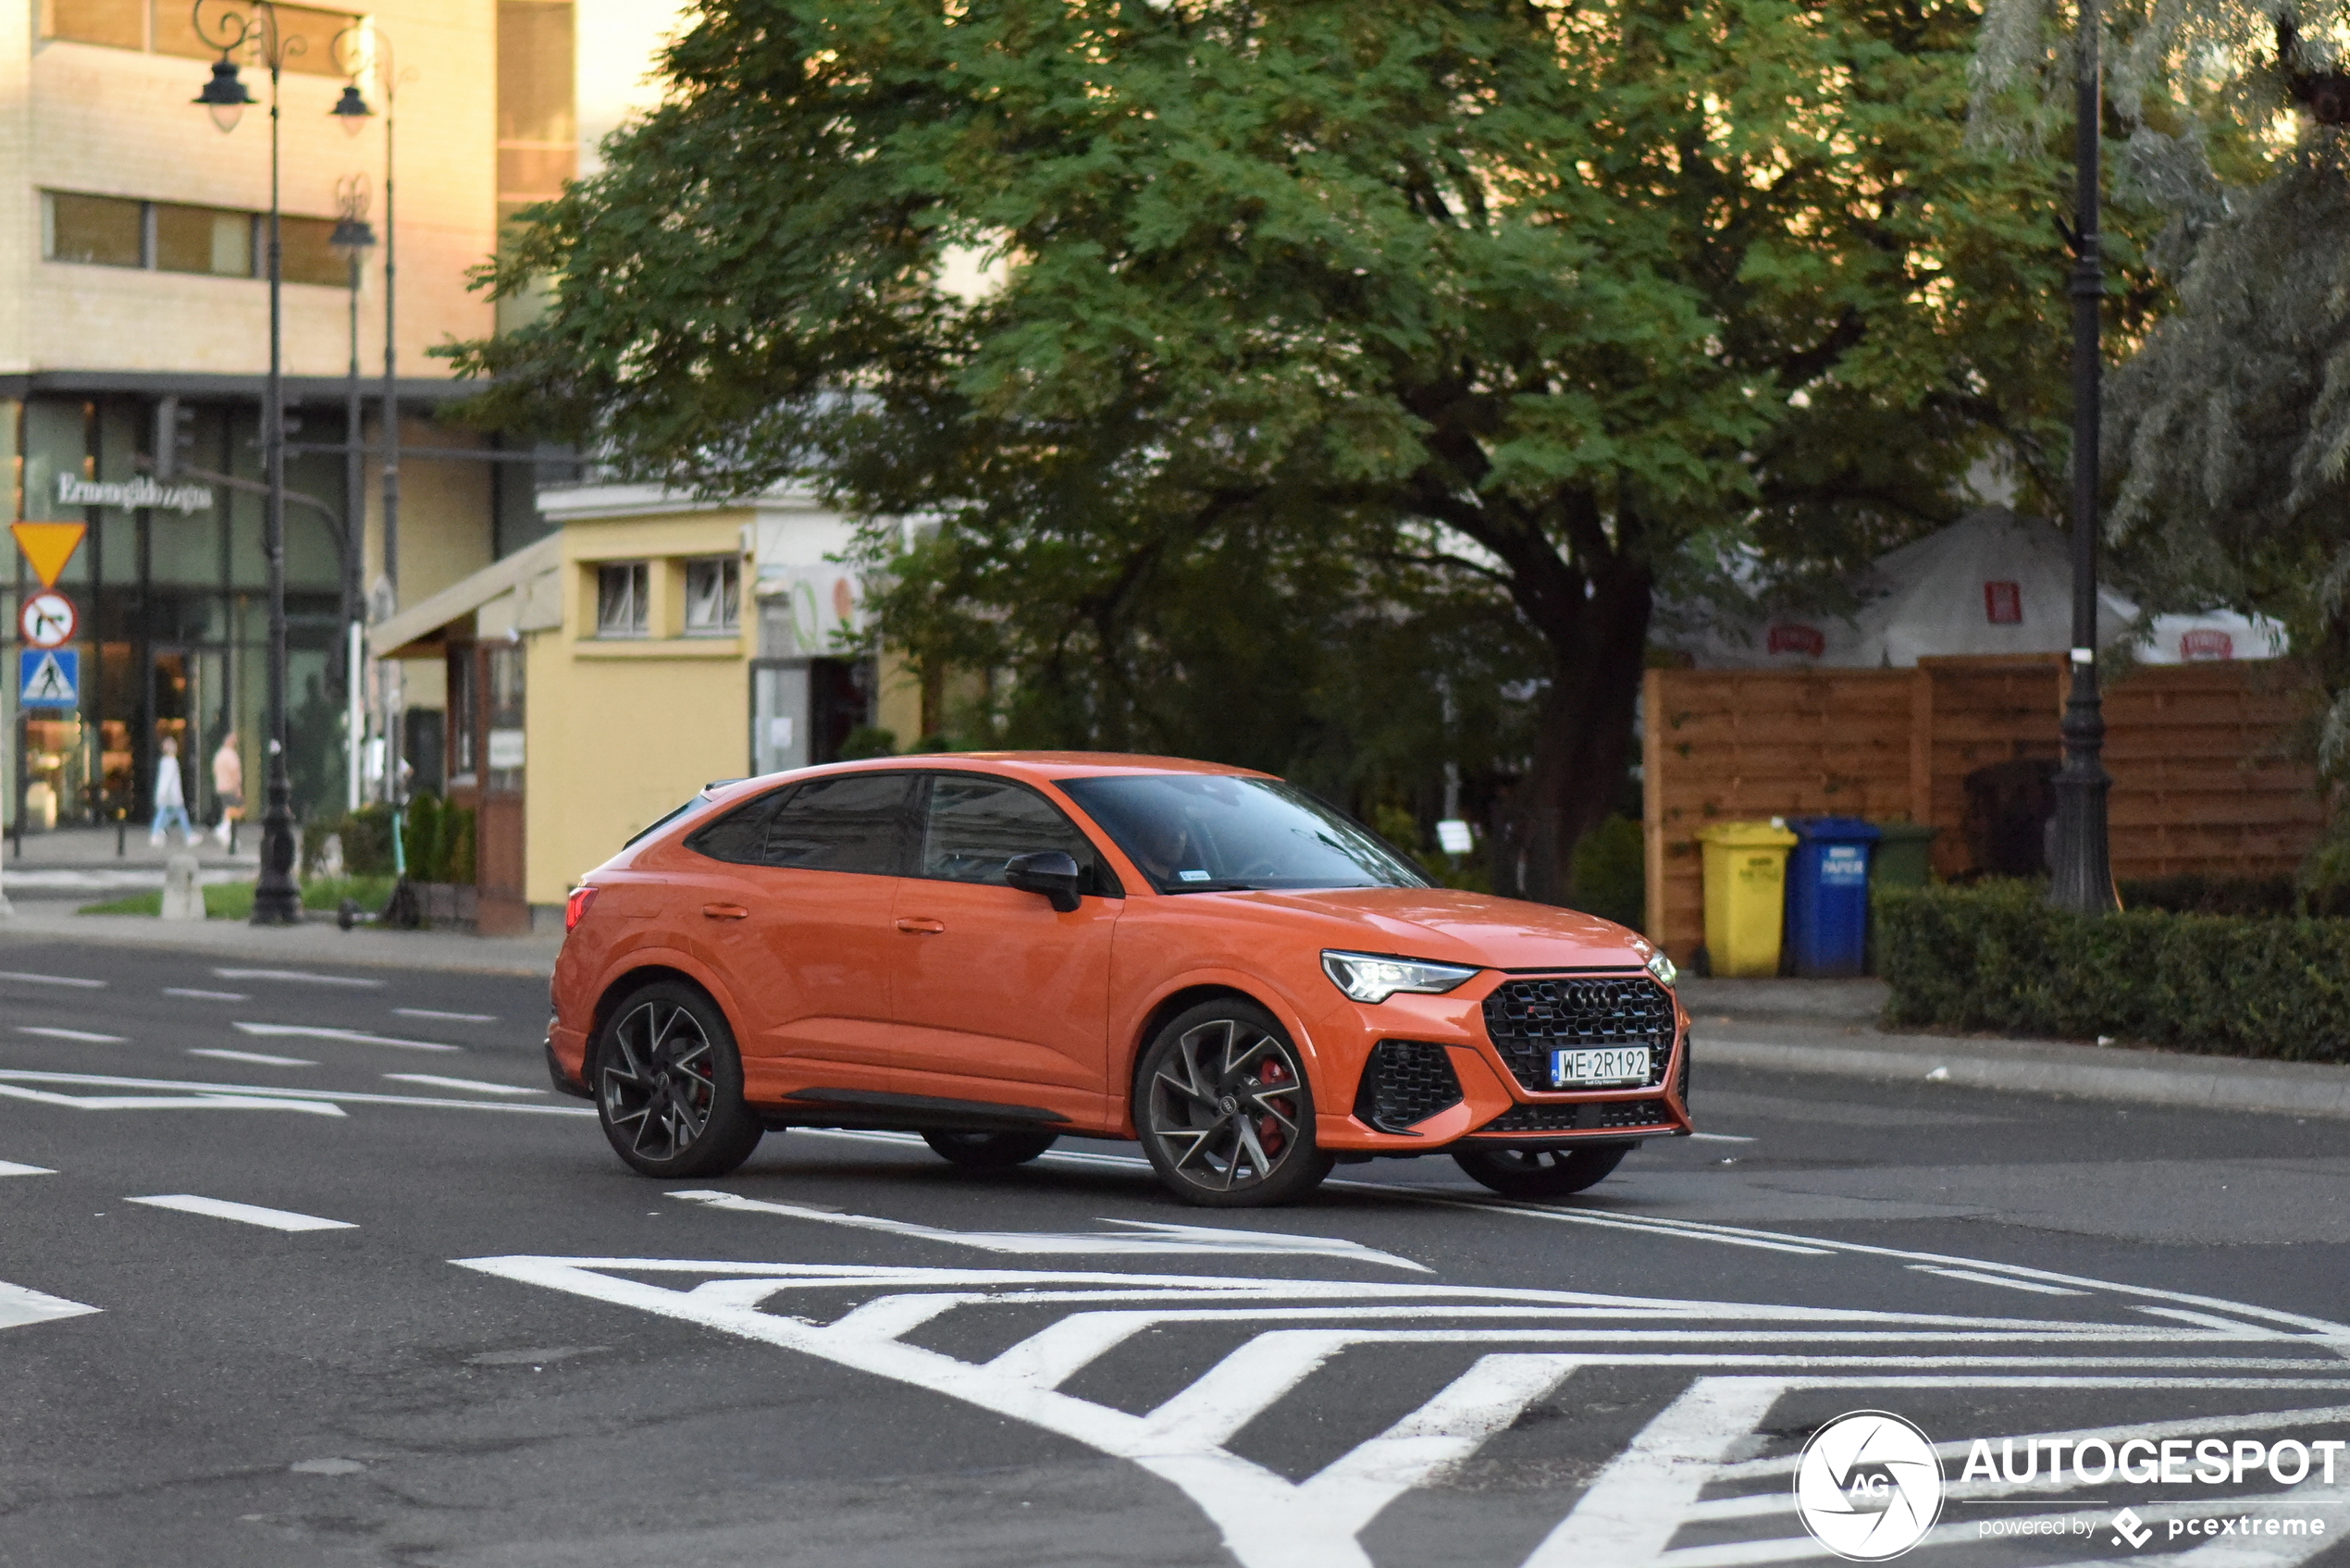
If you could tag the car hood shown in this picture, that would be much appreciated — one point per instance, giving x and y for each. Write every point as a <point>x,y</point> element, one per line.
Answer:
<point>1457,927</point>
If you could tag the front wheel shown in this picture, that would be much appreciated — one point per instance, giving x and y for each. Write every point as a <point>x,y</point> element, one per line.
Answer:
<point>669,1085</point>
<point>1225,1112</point>
<point>989,1150</point>
<point>1540,1173</point>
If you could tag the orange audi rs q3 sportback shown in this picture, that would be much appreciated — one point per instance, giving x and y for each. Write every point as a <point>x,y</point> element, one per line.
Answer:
<point>999,950</point>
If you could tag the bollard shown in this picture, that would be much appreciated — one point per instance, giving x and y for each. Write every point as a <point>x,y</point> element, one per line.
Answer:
<point>183,896</point>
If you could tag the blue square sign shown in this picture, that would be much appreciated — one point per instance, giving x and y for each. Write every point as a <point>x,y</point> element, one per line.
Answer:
<point>49,677</point>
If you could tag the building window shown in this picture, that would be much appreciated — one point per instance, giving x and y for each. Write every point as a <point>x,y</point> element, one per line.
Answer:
<point>623,600</point>
<point>172,237</point>
<point>167,27</point>
<point>714,597</point>
<point>102,230</point>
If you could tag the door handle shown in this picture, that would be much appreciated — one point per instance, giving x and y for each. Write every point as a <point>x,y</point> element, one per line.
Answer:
<point>923,927</point>
<point>724,912</point>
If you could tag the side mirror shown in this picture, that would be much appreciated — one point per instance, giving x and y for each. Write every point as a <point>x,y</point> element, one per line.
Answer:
<point>1048,871</point>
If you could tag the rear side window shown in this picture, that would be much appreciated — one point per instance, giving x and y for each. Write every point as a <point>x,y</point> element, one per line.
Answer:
<point>848,823</point>
<point>740,835</point>
<point>973,825</point>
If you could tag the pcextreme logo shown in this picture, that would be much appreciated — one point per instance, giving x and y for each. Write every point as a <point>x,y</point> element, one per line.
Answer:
<point>1868,1487</point>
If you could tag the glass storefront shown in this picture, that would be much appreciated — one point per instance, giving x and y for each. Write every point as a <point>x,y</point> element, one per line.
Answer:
<point>172,602</point>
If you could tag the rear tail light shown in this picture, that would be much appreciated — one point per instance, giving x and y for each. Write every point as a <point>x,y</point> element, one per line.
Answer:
<point>576,906</point>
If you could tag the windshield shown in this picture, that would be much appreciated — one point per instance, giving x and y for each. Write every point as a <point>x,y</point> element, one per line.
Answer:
<point>1193,833</point>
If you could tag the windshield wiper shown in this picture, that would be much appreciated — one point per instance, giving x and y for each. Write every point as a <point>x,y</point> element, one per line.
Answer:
<point>1216,887</point>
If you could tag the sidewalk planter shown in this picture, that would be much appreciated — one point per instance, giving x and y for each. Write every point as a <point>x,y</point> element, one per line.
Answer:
<point>1827,896</point>
<point>1744,895</point>
<point>1994,956</point>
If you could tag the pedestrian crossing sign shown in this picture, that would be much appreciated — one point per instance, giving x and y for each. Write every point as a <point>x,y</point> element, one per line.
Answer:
<point>49,677</point>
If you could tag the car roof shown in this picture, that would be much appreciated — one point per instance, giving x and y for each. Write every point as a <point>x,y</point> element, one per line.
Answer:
<point>1035,766</point>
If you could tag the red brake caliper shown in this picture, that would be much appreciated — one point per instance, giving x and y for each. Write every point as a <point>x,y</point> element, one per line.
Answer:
<point>1268,1130</point>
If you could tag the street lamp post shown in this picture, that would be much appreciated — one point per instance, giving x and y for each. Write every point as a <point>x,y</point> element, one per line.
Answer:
<point>351,240</point>
<point>2081,877</point>
<point>277,900</point>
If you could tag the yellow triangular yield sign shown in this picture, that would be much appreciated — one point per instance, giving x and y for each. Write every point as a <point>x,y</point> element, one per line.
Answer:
<point>48,546</point>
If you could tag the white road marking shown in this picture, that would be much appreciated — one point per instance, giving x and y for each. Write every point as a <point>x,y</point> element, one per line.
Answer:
<point>265,1094</point>
<point>1630,1514</point>
<point>1976,1276</point>
<point>202,1101</point>
<point>83,1035</point>
<point>206,995</point>
<point>452,1018</point>
<point>20,1306</point>
<point>1147,1237</point>
<point>350,1036</point>
<point>10,1167</point>
<point>53,980</point>
<point>1721,1138</point>
<point>302,977</point>
<point>243,1214</point>
<point>474,1084</point>
<point>260,1057</point>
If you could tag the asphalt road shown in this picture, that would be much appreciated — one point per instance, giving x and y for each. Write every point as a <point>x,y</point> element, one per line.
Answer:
<point>446,1327</point>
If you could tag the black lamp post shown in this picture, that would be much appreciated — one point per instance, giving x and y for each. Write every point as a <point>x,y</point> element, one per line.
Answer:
<point>2081,877</point>
<point>352,240</point>
<point>277,899</point>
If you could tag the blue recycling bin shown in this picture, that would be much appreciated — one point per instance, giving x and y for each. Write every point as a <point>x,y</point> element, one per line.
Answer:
<point>1827,895</point>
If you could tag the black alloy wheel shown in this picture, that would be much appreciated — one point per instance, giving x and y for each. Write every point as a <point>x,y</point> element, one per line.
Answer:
<point>669,1085</point>
<point>989,1150</point>
<point>1225,1112</point>
<point>1540,1173</point>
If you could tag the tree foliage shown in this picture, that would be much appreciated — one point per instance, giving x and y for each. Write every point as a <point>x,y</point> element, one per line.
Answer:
<point>1443,333</point>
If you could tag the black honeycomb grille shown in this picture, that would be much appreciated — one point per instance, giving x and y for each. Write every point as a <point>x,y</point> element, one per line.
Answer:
<point>1681,1079</point>
<point>1530,1018</point>
<point>1581,1117</point>
<point>1404,1081</point>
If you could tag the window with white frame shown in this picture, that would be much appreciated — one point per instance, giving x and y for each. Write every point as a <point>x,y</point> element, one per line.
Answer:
<point>623,600</point>
<point>714,597</point>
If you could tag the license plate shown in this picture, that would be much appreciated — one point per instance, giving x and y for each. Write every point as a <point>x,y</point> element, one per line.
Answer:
<point>1588,1069</point>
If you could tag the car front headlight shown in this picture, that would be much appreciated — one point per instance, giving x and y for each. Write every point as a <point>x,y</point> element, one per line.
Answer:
<point>1662,968</point>
<point>1371,977</point>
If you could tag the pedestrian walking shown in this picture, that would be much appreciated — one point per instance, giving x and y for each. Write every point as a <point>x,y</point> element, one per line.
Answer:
<point>171,798</point>
<point>229,784</point>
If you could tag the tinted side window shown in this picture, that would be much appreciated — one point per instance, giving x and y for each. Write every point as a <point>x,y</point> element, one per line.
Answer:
<point>852,823</point>
<point>739,836</point>
<point>974,826</point>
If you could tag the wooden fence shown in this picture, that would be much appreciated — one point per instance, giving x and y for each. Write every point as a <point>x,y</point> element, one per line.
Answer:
<point>2202,778</point>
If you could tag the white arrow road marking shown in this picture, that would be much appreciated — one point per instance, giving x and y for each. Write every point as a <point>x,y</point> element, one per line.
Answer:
<point>323,1101</point>
<point>474,1083</point>
<point>80,1034</point>
<point>10,1167</point>
<point>20,1306</point>
<point>168,1102</point>
<point>243,1214</point>
<point>300,977</point>
<point>353,1036</point>
<point>1155,1236</point>
<point>1270,1522</point>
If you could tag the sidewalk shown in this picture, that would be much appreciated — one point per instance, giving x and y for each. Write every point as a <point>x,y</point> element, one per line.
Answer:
<point>80,863</point>
<point>314,942</point>
<point>1829,1025</point>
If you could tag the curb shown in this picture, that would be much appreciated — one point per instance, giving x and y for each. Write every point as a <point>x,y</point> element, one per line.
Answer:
<point>312,942</point>
<point>2035,1067</point>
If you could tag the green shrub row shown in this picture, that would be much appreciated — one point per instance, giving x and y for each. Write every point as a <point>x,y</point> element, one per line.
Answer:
<point>437,836</point>
<point>1996,957</point>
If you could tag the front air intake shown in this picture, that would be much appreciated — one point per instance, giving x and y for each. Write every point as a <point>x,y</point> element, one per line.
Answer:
<point>1404,1082</point>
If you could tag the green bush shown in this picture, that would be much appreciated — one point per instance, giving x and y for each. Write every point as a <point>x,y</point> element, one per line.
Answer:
<point>1611,873</point>
<point>1996,957</point>
<point>366,841</point>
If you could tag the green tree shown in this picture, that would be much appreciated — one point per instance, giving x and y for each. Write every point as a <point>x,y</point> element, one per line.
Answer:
<point>1303,315</point>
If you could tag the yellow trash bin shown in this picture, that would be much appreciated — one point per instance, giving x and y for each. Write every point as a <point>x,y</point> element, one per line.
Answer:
<point>1744,895</point>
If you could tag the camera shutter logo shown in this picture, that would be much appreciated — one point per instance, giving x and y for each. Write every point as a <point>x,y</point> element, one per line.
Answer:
<point>1868,1487</point>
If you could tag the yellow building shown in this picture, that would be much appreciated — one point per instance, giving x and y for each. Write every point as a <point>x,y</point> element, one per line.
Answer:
<point>652,644</point>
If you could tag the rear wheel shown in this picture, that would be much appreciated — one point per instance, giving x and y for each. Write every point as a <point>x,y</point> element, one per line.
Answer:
<point>669,1085</point>
<point>1225,1112</point>
<point>989,1150</point>
<point>1540,1173</point>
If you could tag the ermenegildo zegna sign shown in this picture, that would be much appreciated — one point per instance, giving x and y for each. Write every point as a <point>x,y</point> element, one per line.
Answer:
<point>129,494</point>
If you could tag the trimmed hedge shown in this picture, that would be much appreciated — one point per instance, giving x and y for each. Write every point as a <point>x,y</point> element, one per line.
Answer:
<point>1996,957</point>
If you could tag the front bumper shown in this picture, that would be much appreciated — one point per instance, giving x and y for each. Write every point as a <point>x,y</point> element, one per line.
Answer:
<point>1495,1108</point>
